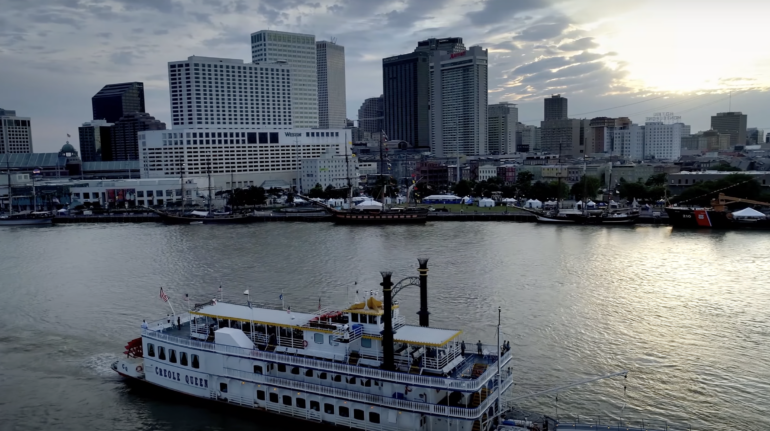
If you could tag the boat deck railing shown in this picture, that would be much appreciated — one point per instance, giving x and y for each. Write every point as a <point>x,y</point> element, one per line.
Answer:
<point>339,365</point>
<point>384,401</point>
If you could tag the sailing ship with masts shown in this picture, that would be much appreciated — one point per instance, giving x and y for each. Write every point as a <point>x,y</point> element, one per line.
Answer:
<point>380,214</point>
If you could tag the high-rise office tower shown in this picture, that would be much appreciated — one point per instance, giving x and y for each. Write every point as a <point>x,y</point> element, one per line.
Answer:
<point>116,100</point>
<point>503,119</point>
<point>458,109</point>
<point>15,133</point>
<point>755,136</point>
<point>299,51</point>
<point>664,141</point>
<point>732,123</point>
<point>371,116</point>
<point>556,108</point>
<point>123,135</point>
<point>95,141</point>
<point>218,93</point>
<point>406,91</point>
<point>332,108</point>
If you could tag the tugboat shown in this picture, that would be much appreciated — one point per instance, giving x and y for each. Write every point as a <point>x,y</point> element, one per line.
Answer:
<point>356,366</point>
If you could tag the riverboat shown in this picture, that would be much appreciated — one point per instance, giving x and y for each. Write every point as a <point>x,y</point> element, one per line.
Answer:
<point>357,366</point>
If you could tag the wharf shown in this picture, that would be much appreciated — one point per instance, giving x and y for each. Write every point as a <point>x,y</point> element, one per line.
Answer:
<point>266,217</point>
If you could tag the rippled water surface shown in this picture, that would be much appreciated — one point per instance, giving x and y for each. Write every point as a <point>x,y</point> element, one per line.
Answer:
<point>686,312</point>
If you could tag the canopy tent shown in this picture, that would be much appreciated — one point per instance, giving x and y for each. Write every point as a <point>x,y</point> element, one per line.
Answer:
<point>467,200</point>
<point>486,202</point>
<point>369,205</point>
<point>748,212</point>
<point>534,203</point>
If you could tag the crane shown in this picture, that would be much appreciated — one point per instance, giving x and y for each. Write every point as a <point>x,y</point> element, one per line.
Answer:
<point>720,204</point>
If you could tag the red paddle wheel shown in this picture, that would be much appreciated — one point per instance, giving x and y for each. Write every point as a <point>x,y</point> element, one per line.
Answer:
<point>134,349</point>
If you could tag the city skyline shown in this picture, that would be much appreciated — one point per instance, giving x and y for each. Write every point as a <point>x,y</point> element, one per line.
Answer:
<point>60,54</point>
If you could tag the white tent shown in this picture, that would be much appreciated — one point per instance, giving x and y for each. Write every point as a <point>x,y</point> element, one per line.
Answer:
<point>486,202</point>
<point>369,205</point>
<point>534,203</point>
<point>748,213</point>
<point>635,204</point>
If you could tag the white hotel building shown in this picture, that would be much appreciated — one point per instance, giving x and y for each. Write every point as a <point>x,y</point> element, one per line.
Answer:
<point>299,52</point>
<point>664,141</point>
<point>235,121</point>
<point>458,109</point>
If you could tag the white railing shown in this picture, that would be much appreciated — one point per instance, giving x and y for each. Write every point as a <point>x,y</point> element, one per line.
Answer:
<point>352,333</point>
<point>419,407</point>
<point>465,385</point>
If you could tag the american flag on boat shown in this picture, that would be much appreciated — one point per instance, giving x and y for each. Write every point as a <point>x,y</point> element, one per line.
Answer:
<point>163,295</point>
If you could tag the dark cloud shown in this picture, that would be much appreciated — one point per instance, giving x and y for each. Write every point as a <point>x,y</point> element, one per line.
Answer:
<point>355,8</point>
<point>230,37</point>
<point>497,11</point>
<point>415,11</point>
<point>277,11</point>
<point>579,44</point>
<point>164,6</point>
<point>542,65</point>
<point>544,29</point>
<point>124,57</point>
<point>507,45</point>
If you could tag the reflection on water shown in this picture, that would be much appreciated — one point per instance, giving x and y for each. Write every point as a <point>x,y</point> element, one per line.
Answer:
<point>684,311</point>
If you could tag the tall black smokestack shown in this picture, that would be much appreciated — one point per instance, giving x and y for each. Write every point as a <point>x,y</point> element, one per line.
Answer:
<point>423,291</point>
<point>387,333</point>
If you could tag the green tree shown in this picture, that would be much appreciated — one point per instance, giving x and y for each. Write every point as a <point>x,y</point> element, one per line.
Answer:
<point>657,180</point>
<point>725,167</point>
<point>317,192</point>
<point>587,187</point>
<point>463,188</point>
<point>631,191</point>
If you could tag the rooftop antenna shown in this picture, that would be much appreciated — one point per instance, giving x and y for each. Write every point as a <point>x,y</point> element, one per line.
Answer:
<point>334,40</point>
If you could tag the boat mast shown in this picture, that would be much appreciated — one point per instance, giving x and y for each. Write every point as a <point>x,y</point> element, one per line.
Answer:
<point>34,195</point>
<point>382,168</point>
<point>10,188</point>
<point>181,182</point>
<point>347,175</point>
<point>209,173</point>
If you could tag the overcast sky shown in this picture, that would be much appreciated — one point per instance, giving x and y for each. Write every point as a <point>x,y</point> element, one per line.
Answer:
<point>637,57</point>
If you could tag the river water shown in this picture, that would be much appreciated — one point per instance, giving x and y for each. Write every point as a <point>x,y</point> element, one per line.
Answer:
<point>686,312</point>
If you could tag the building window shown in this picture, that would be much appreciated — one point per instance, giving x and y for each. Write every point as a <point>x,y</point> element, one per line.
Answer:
<point>273,137</point>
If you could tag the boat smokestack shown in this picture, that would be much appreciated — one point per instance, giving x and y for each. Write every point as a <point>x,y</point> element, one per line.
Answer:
<point>387,332</point>
<point>423,291</point>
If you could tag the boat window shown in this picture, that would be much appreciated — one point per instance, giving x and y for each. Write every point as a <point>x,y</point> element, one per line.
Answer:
<point>281,368</point>
<point>223,388</point>
<point>287,400</point>
<point>352,381</point>
<point>318,338</point>
<point>366,343</point>
<point>329,409</point>
<point>261,395</point>
<point>374,417</point>
<point>172,356</point>
<point>301,403</point>
<point>315,405</point>
<point>258,369</point>
<point>308,373</point>
<point>273,397</point>
<point>322,376</point>
<point>373,319</point>
<point>354,317</point>
<point>295,371</point>
<point>358,414</point>
<point>195,361</point>
<point>344,412</point>
<point>183,358</point>
<point>367,383</point>
<point>337,378</point>
<point>150,350</point>
<point>161,353</point>
<point>332,342</point>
